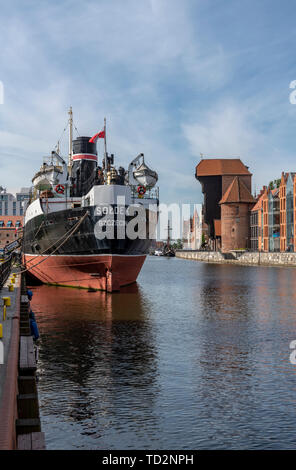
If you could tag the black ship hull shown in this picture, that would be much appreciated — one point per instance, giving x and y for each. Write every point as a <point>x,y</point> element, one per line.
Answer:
<point>64,248</point>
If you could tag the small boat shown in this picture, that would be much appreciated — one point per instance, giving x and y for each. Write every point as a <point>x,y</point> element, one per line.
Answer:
<point>169,252</point>
<point>158,253</point>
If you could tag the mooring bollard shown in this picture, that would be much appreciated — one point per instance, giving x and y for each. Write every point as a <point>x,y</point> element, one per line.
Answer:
<point>6,301</point>
<point>10,288</point>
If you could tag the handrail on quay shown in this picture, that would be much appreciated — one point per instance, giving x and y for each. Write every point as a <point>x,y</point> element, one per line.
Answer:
<point>5,268</point>
<point>20,426</point>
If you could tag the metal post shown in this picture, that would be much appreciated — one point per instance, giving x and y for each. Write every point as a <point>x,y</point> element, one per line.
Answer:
<point>70,136</point>
<point>105,150</point>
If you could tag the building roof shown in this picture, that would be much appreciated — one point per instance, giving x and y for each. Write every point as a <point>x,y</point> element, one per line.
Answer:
<point>221,166</point>
<point>285,176</point>
<point>237,191</point>
<point>275,191</point>
<point>217,225</point>
<point>259,203</point>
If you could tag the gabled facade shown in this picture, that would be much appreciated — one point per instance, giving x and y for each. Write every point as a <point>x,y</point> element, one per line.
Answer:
<point>283,212</point>
<point>294,209</point>
<point>274,217</point>
<point>256,222</point>
<point>287,210</point>
<point>192,231</point>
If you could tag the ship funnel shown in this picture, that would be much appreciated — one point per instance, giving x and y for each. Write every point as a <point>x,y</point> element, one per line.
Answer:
<point>84,164</point>
<point>83,149</point>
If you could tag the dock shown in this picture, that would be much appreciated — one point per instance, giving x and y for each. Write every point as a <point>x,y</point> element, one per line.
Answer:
<point>20,427</point>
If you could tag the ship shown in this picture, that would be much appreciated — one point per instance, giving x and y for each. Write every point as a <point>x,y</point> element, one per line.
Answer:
<point>168,250</point>
<point>89,224</point>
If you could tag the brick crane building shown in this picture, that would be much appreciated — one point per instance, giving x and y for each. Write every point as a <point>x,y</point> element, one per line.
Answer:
<point>226,185</point>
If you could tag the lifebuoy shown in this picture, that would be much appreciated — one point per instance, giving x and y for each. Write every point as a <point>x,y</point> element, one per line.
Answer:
<point>141,190</point>
<point>60,188</point>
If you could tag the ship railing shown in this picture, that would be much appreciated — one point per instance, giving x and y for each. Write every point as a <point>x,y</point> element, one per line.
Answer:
<point>52,161</point>
<point>151,193</point>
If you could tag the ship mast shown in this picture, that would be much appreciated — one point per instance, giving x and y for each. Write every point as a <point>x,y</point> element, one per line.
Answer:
<point>70,137</point>
<point>169,238</point>
<point>105,151</point>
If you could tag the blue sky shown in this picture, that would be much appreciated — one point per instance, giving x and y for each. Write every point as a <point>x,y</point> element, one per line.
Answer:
<point>174,79</point>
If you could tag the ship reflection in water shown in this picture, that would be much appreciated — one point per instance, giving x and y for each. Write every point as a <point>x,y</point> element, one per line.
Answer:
<point>97,363</point>
<point>195,356</point>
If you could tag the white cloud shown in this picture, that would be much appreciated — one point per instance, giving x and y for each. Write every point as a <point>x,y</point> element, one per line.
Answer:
<point>223,131</point>
<point>230,130</point>
<point>151,67</point>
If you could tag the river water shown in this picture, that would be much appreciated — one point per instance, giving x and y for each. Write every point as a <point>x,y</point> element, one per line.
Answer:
<point>193,356</point>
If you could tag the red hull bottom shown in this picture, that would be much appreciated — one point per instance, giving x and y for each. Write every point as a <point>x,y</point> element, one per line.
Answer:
<point>100,272</point>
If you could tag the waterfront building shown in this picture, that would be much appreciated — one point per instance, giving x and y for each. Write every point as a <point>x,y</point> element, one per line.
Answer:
<point>10,229</point>
<point>12,209</point>
<point>294,207</point>
<point>192,231</point>
<point>236,204</point>
<point>186,233</point>
<point>256,222</point>
<point>265,221</point>
<point>287,205</point>
<point>196,231</point>
<point>273,218</point>
<point>226,185</point>
<point>11,205</point>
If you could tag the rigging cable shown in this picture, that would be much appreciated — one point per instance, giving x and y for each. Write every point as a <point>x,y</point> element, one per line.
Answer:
<point>70,233</point>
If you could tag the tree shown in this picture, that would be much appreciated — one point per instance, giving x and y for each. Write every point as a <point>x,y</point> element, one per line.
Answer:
<point>274,184</point>
<point>178,245</point>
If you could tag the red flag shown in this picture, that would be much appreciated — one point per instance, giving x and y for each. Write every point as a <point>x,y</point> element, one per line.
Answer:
<point>99,135</point>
